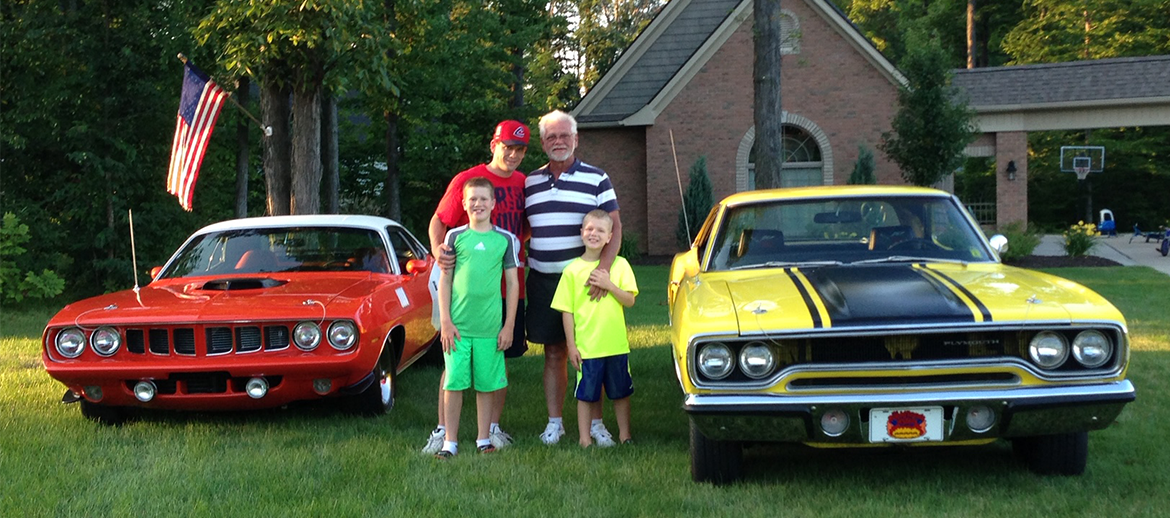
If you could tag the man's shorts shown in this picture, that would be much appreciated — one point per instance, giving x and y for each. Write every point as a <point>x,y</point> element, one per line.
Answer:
<point>477,360</point>
<point>545,324</point>
<point>612,372</point>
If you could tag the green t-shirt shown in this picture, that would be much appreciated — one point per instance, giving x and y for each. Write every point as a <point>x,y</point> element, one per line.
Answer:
<point>480,260</point>
<point>598,327</point>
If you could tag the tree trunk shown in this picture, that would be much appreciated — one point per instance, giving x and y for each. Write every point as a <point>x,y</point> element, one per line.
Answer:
<point>329,155</point>
<point>767,112</point>
<point>242,154</point>
<point>393,196</point>
<point>277,148</point>
<point>306,150</point>
<point>970,33</point>
<point>518,78</point>
<point>390,189</point>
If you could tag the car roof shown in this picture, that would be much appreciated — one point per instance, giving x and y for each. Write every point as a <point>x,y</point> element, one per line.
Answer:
<point>317,220</point>
<point>830,191</point>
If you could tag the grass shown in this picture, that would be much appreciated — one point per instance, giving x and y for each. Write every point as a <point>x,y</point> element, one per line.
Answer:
<point>311,460</point>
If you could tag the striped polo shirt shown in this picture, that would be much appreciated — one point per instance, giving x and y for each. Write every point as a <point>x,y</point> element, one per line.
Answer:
<point>556,208</point>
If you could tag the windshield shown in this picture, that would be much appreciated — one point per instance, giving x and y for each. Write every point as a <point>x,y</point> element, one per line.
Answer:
<point>851,230</point>
<point>270,250</point>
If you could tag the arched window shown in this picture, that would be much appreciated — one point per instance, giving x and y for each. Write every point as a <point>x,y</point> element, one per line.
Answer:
<point>803,164</point>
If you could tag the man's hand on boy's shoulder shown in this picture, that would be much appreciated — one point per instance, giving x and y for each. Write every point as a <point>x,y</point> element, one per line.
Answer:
<point>445,257</point>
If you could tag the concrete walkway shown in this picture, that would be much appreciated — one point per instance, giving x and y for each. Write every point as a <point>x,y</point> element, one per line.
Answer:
<point>1120,249</point>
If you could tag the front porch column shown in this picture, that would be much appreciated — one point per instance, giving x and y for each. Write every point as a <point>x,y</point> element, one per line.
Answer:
<point>1011,196</point>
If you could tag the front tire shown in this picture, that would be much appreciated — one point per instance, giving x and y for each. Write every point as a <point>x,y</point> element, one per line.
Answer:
<point>717,462</point>
<point>104,414</point>
<point>1061,454</point>
<point>378,398</point>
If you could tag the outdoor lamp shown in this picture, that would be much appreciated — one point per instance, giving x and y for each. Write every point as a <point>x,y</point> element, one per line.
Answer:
<point>1011,170</point>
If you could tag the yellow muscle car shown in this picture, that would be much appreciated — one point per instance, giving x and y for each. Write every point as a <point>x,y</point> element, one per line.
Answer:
<point>881,316</point>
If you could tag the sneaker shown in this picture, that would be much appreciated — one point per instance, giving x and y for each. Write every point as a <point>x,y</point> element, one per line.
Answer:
<point>444,455</point>
<point>628,442</point>
<point>552,433</point>
<point>434,442</point>
<point>601,436</point>
<point>500,439</point>
<point>487,448</point>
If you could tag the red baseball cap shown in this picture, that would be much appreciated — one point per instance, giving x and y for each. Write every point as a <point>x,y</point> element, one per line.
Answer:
<point>512,133</point>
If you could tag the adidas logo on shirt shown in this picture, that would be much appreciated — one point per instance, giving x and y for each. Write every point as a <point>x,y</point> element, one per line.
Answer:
<point>480,246</point>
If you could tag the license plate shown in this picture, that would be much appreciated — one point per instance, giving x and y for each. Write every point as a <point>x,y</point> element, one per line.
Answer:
<point>914,424</point>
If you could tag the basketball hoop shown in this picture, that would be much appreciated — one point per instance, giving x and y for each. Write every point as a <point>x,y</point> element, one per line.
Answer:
<point>1082,172</point>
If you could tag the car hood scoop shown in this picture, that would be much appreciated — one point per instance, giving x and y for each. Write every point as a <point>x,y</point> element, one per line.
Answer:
<point>242,284</point>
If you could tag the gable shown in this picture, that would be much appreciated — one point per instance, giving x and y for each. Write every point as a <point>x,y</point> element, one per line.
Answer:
<point>676,45</point>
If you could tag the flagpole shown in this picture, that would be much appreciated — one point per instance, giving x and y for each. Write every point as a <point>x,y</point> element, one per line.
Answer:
<point>267,129</point>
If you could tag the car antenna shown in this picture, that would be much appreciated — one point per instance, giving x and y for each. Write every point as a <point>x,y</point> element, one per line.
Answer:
<point>678,176</point>
<point>133,250</point>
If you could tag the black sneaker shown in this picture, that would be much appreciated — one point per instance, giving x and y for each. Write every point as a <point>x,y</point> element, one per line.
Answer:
<point>487,448</point>
<point>444,455</point>
<point>628,442</point>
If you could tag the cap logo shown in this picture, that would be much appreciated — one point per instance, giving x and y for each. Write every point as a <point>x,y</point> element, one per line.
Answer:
<point>519,133</point>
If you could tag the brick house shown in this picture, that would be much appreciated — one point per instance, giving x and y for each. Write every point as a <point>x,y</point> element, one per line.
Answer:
<point>689,75</point>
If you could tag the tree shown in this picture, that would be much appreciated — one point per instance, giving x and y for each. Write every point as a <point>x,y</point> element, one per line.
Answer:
<point>301,48</point>
<point>933,124</point>
<point>1068,30</point>
<point>767,112</point>
<point>863,170</point>
<point>697,202</point>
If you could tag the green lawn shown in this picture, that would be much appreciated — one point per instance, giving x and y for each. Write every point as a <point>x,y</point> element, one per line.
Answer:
<point>312,460</point>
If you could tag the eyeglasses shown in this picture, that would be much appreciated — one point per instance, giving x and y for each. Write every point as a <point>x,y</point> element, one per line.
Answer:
<point>558,136</point>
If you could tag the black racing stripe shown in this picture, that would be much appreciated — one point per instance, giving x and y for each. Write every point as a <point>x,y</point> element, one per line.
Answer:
<point>804,294</point>
<point>886,294</point>
<point>955,285</point>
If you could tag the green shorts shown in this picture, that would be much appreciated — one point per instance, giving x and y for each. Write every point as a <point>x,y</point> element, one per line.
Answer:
<point>478,360</point>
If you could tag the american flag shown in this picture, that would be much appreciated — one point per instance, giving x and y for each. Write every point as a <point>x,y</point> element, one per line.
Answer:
<point>198,110</point>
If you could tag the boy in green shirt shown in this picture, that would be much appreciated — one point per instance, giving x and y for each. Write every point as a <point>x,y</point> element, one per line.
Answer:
<point>470,313</point>
<point>596,330</point>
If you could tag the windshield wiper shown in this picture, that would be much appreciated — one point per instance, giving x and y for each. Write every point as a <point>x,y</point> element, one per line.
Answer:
<point>785,264</point>
<point>909,259</point>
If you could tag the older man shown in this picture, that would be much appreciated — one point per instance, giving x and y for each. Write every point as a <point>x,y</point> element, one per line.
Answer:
<point>557,197</point>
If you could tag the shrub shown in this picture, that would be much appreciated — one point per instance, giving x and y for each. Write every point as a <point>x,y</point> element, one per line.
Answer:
<point>1078,239</point>
<point>863,169</point>
<point>697,202</point>
<point>15,284</point>
<point>629,248</point>
<point>1022,241</point>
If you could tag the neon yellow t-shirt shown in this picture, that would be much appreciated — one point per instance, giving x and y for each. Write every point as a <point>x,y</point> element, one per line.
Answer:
<point>599,327</point>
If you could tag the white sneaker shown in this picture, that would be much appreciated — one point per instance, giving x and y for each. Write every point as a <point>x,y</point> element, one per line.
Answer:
<point>552,433</point>
<point>601,436</point>
<point>434,442</point>
<point>500,439</point>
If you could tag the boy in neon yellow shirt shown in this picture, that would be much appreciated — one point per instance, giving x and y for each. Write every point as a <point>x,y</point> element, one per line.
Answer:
<point>596,330</point>
<point>470,313</point>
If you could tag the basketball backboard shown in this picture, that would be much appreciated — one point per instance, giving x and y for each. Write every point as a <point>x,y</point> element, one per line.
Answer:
<point>1080,157</point>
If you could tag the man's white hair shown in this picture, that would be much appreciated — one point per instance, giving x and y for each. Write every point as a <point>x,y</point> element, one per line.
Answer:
<point>557,116</point>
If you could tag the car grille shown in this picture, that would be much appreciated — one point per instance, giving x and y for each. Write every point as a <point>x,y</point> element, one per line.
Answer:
<point>218,340</point>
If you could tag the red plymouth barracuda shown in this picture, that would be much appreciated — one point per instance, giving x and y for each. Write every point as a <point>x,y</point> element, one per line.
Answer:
<point>254,313</point>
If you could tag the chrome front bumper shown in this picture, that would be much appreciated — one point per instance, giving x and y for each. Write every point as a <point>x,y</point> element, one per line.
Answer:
<point>1020,412</point>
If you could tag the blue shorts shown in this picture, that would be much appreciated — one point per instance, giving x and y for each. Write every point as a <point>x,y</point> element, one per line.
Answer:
<point>612,372</point>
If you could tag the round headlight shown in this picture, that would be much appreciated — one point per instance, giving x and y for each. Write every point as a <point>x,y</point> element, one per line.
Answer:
<point>1048,349</point>
<point>342,335</point>
<point>716,361</point>
<point>756,360</point>
<point>105,340</point>
<point>1092,348</point>
<point>307,336</point>
<point>70,342</point>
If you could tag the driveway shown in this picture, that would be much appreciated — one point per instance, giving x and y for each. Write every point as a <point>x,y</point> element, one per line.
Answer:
<point>1120,249</point>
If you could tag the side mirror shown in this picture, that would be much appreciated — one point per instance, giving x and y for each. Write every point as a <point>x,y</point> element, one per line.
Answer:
<point>417,266</point>
<point>999,243</point>
<point>154,272</point>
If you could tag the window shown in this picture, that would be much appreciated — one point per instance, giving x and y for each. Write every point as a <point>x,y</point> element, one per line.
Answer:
<point>802,160</point>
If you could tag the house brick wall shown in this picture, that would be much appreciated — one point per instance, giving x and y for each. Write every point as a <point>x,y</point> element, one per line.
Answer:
<point>829,82</point>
